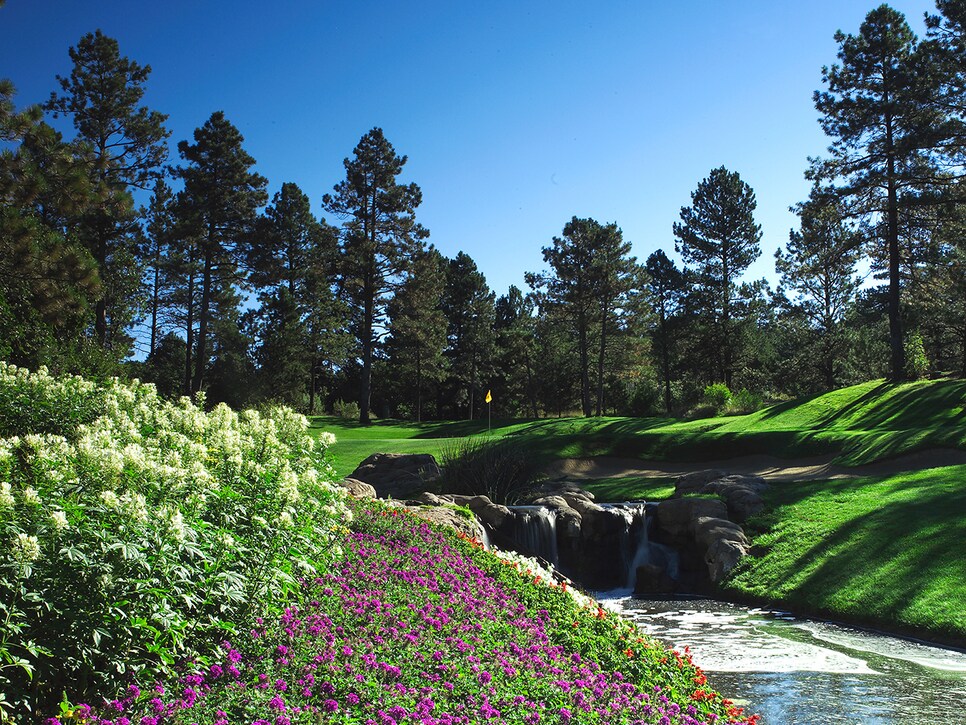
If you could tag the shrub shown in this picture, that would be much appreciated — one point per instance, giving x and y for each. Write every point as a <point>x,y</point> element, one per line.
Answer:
<point>917,364</point>
<point>348,411</point>
<point>500,470</point>
<point>132,541</point>
<point>717,395</point>
<point>40,403</point>
<point>743,402</point>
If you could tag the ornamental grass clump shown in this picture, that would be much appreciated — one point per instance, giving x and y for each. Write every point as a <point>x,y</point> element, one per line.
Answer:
<point>130,541</point>
<point>413,625</point>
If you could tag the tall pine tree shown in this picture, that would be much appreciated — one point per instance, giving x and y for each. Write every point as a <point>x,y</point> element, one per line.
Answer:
<point>881,111</point>
<point>102,96</point>
<point>379,237</point>
<point>718,235</point>
<point>220,200</point>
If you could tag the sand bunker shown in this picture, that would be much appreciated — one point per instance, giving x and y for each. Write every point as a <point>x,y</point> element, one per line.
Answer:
<point>768,467</point>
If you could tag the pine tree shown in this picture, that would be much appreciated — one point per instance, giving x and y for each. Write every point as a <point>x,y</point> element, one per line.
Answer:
<point>718,235</point>
<point>665,288</point>
<point>881,111</point>
<point>379,236</point>
<point>48,279</point>
<point>819,266</point>
<point>417,327</point>
<point>220,199</point>
<point>102,95</point>
<point>515,382</point>
<point>289,250</point>
<point>157,240</point>
<point>468,305</point>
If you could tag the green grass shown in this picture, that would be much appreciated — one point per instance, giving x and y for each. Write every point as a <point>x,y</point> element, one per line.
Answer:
<point>859,424</point>
<point>630,488</point>
<point>884,551</point>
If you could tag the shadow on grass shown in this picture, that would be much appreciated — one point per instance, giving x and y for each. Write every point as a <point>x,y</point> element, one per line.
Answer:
<point>896,560</point>
<point>922,406</point>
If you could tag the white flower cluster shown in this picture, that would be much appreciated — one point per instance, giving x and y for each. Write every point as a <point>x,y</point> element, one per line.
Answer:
<point>25,548</point>
<point>149,461</point>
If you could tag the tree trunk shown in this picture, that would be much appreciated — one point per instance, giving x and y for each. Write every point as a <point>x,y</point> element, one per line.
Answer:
<point>600,362</point>
<point>100,307</point>
<point>419,387</point>
<point>584,364</point>
<point>189,328</point>
<point>312,367</point>
<point>897,358</point>
<point>203,315</point>
<point>365,385</point>
<point>155,293</point>
<point>665,362</point>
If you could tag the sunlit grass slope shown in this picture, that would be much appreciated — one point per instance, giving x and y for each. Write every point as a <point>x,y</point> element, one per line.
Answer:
<point>885,550</point>
<point>859,424</point>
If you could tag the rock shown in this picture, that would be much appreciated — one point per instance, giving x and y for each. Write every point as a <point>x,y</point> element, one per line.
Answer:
<point>494,516</point>
<point>707,530</point>
<point>722,556</point>
<point>742,493</point>
<point>431,499</point>
<point>653,579</point>
<point>676,516</point>
<point>358,489</point>
<point>397,475</point>
<point>696,481</point>
<point>450,517</point>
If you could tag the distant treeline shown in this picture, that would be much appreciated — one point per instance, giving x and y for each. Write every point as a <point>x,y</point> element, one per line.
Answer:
<point>251,298</point>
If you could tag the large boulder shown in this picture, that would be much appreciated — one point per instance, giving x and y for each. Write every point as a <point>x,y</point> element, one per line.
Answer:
<point>450,517</point>
<point>722,556</point>
<point>494,516</point>
<point>358,489</point>
<point>676,516</point>
<point>397,475</point>
<point>741,493</point>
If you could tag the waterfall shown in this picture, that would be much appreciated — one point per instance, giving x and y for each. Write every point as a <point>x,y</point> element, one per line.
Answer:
<point>535,532</point>
<point>632,536</point>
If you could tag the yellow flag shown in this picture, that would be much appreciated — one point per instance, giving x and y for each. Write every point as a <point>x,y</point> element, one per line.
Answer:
<point>489,398</point>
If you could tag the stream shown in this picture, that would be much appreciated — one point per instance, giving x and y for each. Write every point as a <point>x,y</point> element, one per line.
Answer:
<point>801,671</point>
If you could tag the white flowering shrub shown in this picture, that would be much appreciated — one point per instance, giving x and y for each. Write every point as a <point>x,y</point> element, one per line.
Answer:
<point>136,539</point>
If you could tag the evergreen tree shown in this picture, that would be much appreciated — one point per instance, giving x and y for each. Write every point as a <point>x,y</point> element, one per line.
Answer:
<point>665,288</point>
<point>614,275</point>
<point>289,251</point>
<point>418,329</point>
<point>718,235</point>
<point>158,228</point>
<point>221,196</point>
<point>48,279</point>
<point>468,305</point>
<point>573,286</point>
<point>819,267</point>
<point>515,384</point>
<point>881,111</point>
<point>102,95</point>
<point>379,236</point>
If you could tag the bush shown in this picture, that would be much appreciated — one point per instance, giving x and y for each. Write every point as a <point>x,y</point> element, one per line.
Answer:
<point>743,402</point>
<point>348,411</point>
<point>131,542</point>
<point>917,364</point>
<point>717,395</point>
<point>501,470</point>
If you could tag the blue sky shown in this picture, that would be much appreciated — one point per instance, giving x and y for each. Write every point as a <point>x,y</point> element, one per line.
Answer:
<point>515,116</point>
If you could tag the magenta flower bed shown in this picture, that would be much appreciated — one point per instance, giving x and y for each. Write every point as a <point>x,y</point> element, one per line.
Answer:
<point>412,625</point>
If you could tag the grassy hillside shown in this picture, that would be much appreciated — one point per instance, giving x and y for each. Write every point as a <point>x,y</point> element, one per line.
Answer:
<point>859,424</point>
<point>885,551</point>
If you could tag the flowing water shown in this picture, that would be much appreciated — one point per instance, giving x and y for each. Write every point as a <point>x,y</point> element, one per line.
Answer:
<point>800,671</point>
